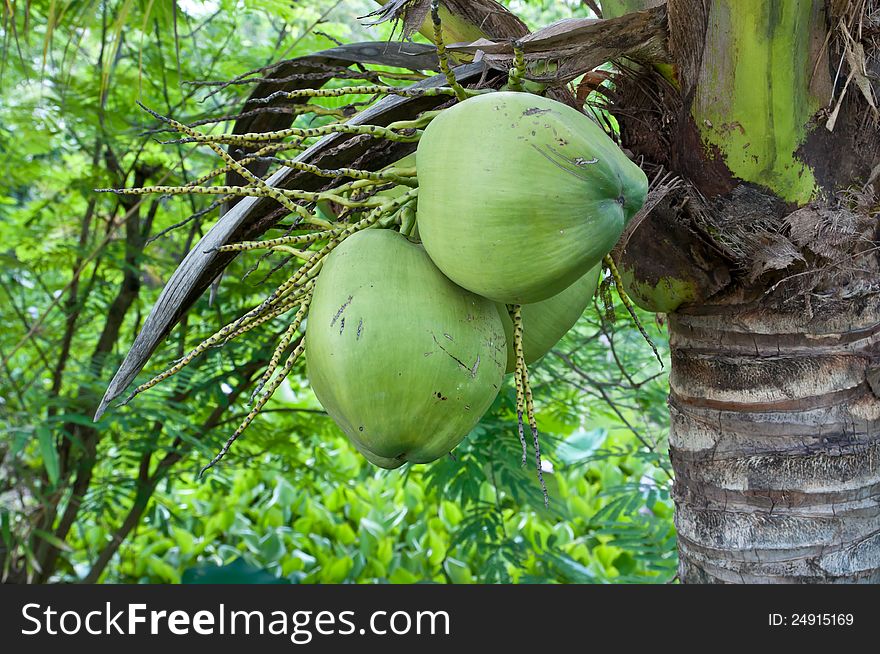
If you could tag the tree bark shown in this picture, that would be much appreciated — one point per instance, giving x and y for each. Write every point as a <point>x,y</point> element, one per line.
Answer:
<point>775,442</point>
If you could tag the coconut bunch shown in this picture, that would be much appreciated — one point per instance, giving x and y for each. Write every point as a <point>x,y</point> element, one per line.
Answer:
<point>415,289</point>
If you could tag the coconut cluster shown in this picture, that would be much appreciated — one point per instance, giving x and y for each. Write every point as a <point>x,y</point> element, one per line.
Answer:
<point>411,332</point>
<point>421,285</point>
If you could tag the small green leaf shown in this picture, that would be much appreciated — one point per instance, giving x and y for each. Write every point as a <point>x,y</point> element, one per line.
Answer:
<point>403,576</point>
<point>53,540</point>
<point>6,528</point>
<point>49,454</point>
<point>18,443</point>
<point>185,540</point>
<point>580,445</point>
<point>271,547</point>
<point>459,572</point>
<point>571,570</point>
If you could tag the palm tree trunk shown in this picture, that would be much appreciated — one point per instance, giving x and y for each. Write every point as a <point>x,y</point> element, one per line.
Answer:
<point>774,408</point>
<point>775,441</point>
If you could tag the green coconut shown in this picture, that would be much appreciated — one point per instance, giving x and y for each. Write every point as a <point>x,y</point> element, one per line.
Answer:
<point>663,295</point>
<point>519,195</point>
<point>545,322</point>
<point>405,361</point>
<point>663,266</point>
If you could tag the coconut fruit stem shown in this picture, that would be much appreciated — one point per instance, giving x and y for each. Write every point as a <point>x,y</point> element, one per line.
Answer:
<point>533,425</point>
<point>518,72</point>
<point>624,298</point>
<point>516,317</point>
<point>525,405</point>
<point>371,89</point>
<point>407,221</point>
<point>296,239</point>
<point>241,170</point>
<point>256,156</point>
<point>442,57</point>
<point>416,123</point>
<point>272,387</point>
<point>248,322</point>
<point>277,310</point>
<point>281,309</point>
<point>284,342</point>
<point>377,131</point>
<point>397,175</point>
<point>262,192</point>
<point>389,206</point>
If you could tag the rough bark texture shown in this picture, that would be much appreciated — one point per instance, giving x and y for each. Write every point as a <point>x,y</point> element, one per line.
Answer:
<point>775,441</point>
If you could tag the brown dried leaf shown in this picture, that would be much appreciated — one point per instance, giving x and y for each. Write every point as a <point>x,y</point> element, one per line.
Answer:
<point>771,252</point>
<point>661,185</point>
<point>825,232</point>
<point>856,60</point>
<point>590,82</point>
<point>411,13</point>
<point>568,48</point>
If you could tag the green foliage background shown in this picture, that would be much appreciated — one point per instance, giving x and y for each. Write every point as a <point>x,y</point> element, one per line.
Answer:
<point>80,272</point>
